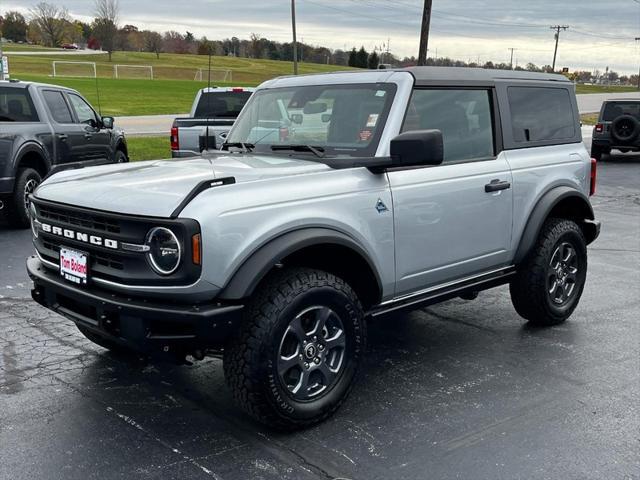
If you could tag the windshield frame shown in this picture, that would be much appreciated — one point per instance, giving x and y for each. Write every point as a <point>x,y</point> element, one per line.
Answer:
<point>336,151</point>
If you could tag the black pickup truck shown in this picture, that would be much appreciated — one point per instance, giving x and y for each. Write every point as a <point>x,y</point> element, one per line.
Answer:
<point>43,129</point>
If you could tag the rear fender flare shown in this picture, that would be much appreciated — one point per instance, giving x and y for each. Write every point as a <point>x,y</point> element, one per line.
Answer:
<point>542,211</point>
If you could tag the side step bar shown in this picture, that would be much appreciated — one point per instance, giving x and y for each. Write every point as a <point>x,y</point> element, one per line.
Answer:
<point>447,291</point>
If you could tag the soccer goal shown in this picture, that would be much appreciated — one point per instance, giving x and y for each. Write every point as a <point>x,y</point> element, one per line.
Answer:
<point>133,71</point>
<point>74,69</point>
<point>217,75</point>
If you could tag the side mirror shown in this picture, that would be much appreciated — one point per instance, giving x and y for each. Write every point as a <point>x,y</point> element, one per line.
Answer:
<point>416,148</point>
<point>107,122</point>
<point>296,118</point>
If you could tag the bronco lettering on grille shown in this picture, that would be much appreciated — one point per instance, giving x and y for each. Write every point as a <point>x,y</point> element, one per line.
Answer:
<point>79,236</point>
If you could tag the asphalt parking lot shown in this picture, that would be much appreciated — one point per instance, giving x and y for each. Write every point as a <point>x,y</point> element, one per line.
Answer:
<point>461,390</point>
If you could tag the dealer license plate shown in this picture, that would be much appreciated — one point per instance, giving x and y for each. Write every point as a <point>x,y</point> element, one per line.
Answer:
<point>74,266</point>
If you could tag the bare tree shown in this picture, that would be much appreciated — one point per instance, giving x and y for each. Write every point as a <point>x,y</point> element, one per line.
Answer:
<point>105,25</point>
<point>51,21</point>
<point>152,42</point>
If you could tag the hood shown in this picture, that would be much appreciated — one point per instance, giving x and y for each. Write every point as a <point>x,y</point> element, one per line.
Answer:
<point>156,188</point>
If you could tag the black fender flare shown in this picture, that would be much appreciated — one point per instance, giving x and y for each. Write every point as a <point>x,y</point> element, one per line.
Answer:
<point>253,270</point>
<point>32,147</point>
<point>543,209</point>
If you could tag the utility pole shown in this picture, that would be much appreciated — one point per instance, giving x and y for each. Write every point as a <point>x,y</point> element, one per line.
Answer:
<point>511,62</point>
<point>637,40</point>
<point>557,28</point>
<point>295,42</point>
<point>424,33</point>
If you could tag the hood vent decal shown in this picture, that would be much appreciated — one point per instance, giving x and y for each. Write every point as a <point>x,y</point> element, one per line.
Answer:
<point>198,189</point>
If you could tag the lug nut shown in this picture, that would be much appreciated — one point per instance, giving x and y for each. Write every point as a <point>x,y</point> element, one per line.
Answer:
<point>316,360</point>
<point>321,347</point>
<point>306,365</point>
<point>304,342</point>
<point>315,338</point>
<point>300,356</point>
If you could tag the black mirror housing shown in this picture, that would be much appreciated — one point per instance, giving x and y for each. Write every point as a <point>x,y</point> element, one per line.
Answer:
<point>416,148</point>
<point>107,122</point>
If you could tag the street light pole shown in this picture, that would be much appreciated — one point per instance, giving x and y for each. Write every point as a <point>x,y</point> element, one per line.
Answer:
<point>295,42</point>
<point>557,28</point>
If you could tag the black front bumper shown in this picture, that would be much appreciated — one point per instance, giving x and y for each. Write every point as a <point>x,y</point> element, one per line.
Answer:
<point>135,323</point>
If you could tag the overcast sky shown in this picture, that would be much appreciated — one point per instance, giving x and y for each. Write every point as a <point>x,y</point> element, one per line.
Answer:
<point>601,32</point>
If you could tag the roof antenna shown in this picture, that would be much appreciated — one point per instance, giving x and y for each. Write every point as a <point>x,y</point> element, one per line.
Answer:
<point>206,139</point>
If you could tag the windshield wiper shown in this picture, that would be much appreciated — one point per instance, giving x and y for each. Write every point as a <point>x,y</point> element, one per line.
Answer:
<point>317,151</point>
<point>246,147</point>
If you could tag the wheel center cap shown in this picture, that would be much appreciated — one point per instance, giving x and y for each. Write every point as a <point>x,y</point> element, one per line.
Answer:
<point>310,350</point>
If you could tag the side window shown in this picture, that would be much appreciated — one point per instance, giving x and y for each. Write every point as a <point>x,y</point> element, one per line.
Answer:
<point>16,105</point>
<point>463,116</point>
<point>541,114</point>
<point>83,110</point>
<point>57,106</point>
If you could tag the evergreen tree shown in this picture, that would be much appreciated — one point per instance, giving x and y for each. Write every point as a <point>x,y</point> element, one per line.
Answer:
<point>353,57</point>
<point>362,58</point>
<point>374,61</point>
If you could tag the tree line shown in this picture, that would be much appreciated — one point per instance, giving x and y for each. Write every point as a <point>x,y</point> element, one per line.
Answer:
<point>51,26</point>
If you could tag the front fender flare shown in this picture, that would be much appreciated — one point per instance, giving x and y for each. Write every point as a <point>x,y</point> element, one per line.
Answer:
<point>32,147</point>
<point>247,277</point>
<point>543,209</point>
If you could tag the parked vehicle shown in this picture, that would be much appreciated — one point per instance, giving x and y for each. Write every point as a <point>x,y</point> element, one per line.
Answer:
<point>212,115</point>
<point>618,128</point>
<point>422,185</point>
<point>45,128</point>
<point>69,46</point>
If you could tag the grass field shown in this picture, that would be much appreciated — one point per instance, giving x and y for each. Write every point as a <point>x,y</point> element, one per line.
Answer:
<point>148,148</point>
<point>23,47</point>
<point>589,118</point>
<point>131,97</point>
<point>169,66</point>
<point>603,89</point>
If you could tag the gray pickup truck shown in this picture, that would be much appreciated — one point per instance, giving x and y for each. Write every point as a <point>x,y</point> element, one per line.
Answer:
<point>212,115</point>
<point>44,128</point>
<point>403,188</point>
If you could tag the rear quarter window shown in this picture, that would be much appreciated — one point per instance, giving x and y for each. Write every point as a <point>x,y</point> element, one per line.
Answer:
<point>541,114</point>
<point>16,105</point>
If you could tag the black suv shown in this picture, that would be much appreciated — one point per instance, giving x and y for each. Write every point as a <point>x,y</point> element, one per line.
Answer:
<point>618,128</point>
<point>45,128</point>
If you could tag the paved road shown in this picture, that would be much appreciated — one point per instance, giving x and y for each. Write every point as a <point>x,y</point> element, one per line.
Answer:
<point>161,124</point>
<point>462,390</point>
<point>43,53</point>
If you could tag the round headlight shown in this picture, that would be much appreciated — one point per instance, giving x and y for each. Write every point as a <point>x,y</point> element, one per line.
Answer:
<point>165,251</point>
<point>33,218</point>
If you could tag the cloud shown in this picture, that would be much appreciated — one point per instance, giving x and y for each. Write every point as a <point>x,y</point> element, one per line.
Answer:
<point>601,33</point>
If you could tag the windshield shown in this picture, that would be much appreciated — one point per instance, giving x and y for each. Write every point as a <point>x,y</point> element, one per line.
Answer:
<point>613,110</point>
<point>221,104</point>
<point>339,119</point>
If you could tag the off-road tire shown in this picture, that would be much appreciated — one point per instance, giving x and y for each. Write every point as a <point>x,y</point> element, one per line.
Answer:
<point>17,210</point>
<point>529,290</point>
<point>250,359</point>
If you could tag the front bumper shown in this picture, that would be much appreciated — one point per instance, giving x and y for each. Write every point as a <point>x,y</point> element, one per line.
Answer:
<point>137,324</point>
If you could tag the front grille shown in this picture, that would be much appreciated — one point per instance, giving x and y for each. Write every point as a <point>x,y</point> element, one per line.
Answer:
<point>78,219</point>
<point>116,265</point>
<point>100,259</point>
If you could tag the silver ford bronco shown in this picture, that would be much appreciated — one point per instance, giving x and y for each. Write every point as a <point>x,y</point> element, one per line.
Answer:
<point>336,198</point>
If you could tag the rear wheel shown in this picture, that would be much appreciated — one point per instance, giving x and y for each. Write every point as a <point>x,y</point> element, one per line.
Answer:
<point>549,283</point>
<point>27,180</point>
<point>295,360</point>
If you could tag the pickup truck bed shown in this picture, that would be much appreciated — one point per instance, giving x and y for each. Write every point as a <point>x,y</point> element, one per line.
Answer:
<point>213,113</point>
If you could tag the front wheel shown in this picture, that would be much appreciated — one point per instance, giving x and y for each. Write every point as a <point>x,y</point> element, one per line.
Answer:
<point>121,157</point>
<point>296,357</point>
<point>549,283</point>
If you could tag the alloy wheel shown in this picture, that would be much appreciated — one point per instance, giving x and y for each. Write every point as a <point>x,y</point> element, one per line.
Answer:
<point>562,273</point>
<point>312,353</point>
<point>29,188</point>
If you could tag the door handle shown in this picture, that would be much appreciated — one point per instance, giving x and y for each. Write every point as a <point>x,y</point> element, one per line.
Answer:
<point>63,137</point>
<point>497,185</point>
<point>88,136</point>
